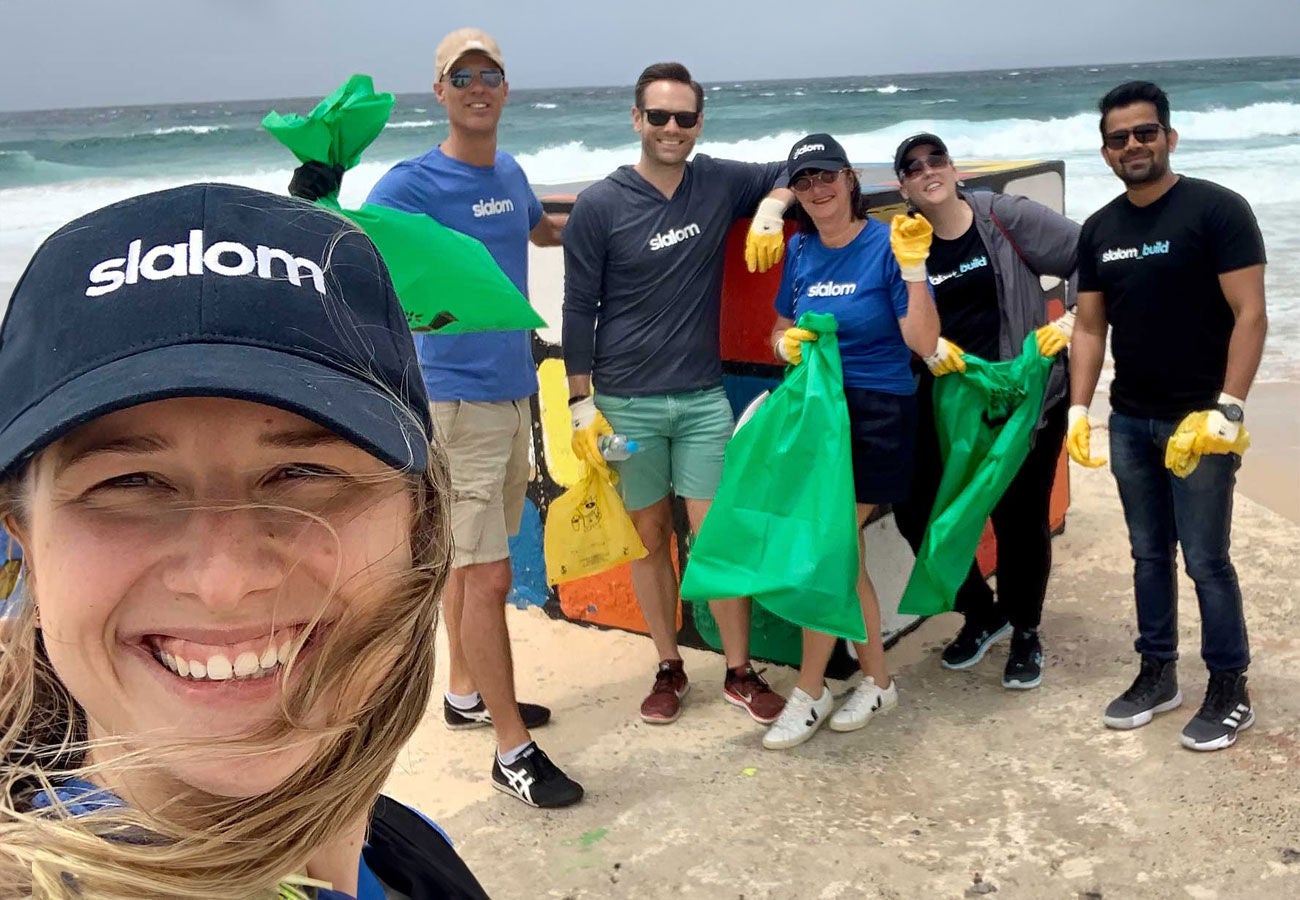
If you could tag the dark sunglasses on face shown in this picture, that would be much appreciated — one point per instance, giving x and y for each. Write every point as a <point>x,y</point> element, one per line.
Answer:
<point>1146,134</point>
<point>660,117</point>
<point>916,166</point>
<point>462,78</point>
<point>804,183</point>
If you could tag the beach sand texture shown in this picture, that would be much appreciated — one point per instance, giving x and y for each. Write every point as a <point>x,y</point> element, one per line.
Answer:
<point>964,782</point>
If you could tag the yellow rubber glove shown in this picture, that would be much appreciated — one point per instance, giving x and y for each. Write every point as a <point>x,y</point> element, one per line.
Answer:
<point>945,359</point>
<point>1200,433</point>
<point>1055,336</point>
<point>1078,439</point>
<point>909,238</point>
<point>588,427</point>
<point>789,346</point>
<point>765,243</point>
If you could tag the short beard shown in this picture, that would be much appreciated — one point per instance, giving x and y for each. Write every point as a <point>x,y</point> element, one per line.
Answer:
<point>1155,171</point>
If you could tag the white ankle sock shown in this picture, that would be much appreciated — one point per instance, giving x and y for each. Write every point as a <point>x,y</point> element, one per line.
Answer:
<point>463,701</point>
<point>510,757</point>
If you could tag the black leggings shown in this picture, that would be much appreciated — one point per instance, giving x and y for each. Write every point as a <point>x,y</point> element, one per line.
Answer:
<point>1020,520</point>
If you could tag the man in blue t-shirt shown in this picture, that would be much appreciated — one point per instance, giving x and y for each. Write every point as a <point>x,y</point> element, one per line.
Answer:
<point>480,385</point>
<point>643,261</point>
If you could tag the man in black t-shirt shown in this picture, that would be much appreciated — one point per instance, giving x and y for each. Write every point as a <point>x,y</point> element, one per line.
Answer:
<point>1176,266</point>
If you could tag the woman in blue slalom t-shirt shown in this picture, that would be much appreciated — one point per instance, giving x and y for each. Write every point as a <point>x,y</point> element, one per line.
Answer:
<point>872,280</point>
<point>215,453</point>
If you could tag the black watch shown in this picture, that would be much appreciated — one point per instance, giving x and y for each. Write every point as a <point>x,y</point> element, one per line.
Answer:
<point>1232,412</point>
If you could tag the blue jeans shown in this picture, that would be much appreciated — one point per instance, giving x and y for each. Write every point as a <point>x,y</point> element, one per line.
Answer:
<point>1163,510</point>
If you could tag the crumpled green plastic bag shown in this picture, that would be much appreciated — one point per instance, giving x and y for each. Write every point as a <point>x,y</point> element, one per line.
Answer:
<point>985,418</point>
<point>783,528</point>
<point>447,282</point>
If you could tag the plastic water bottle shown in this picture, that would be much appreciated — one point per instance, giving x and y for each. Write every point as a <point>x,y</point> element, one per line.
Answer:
<point>615,447</point>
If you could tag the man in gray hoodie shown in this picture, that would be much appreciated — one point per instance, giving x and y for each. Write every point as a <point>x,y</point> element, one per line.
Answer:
<point>643,257</point>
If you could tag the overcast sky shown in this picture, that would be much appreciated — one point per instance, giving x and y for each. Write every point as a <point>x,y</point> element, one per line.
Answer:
<point>61,53</point>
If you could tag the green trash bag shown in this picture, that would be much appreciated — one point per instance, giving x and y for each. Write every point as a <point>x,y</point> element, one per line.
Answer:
<point>447,282</point>
<point>783,527</point>
<point>985,419</point>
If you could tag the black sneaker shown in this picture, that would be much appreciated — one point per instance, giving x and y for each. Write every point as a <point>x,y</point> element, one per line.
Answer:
<point>534,779</point>
<point>972,642</point>
<point>1225,712</point>
<point>1155,690</point>
<point>1025,662</point>
<point>534,716</point>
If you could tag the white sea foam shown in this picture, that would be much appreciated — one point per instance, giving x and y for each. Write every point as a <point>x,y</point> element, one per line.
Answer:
<point>190,129</point>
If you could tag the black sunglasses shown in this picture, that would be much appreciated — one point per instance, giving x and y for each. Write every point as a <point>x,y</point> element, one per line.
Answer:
<point>660,117</point>
<point>804,183</point>
<point>462,78</point>
<point>1146,134</point>
<point>916,166</point>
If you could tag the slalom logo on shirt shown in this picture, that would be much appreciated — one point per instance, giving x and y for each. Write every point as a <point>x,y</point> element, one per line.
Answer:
<point>978,262</point>
<point>228,258</point>
<point>806,148</point>
<point>1114,254</point>
<point>492,207</point>
<point>832,288</point>
<point>674,236</point>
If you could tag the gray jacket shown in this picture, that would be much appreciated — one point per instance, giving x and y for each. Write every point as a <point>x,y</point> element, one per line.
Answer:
<point>1025,240</point>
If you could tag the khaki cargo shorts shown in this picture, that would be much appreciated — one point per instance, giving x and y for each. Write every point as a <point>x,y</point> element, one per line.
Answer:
<point>487,446</point>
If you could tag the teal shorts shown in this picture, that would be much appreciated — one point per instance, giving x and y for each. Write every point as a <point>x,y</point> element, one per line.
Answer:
<point>682,437</point>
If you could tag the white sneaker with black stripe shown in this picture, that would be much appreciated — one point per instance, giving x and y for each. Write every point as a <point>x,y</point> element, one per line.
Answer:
<point>866,701</point>
<point>800,719</point>
<point>1225,712</point>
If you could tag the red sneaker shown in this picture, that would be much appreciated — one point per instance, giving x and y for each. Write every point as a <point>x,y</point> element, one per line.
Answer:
<point>664,704</point>
<point>746,688</point>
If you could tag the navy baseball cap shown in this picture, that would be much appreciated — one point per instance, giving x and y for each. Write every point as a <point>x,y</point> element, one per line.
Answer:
<point>210,290</point>
<point>818,152</point>
<point>916,140</point>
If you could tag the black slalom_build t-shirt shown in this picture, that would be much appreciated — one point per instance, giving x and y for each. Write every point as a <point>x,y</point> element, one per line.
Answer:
<point>966,293</point>
<point>1158,269</point>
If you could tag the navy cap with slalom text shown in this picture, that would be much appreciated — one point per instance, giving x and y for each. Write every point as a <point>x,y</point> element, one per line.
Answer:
<point>210,290</point>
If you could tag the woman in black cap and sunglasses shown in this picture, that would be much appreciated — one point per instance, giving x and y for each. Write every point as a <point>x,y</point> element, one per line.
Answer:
<point>841,263</point>
<point>986,257</point>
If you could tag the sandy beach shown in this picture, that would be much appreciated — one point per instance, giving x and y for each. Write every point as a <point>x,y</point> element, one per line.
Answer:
<point>966,785</point>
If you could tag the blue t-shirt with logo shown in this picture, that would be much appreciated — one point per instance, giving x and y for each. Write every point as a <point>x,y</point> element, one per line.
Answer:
<point>861,286</point>
<point>496,205</point>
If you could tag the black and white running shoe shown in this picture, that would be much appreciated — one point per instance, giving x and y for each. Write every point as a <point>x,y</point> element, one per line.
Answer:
<point>535,780</point>
<point>1024,663</point>
<point>972,642</point>
<point>1155,690</point>
<point>457,719</point>
<point>1225,712</point>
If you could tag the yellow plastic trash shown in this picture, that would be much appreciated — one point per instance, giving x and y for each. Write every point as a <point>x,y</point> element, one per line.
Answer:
<point>587,529</point>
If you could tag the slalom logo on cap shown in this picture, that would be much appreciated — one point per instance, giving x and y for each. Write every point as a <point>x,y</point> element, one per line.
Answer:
<point>806,148</point>
<point>674,236</point>
<point>492,207</point>
<point>229,258</point>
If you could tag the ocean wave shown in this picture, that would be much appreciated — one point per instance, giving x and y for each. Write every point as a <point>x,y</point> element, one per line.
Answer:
<point>190,129</point>
<point>544,105</point>
<point>869,89</point>
<point>422,123</point>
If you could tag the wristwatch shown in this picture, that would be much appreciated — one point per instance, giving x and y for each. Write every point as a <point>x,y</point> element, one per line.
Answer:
<point>1232,412</point>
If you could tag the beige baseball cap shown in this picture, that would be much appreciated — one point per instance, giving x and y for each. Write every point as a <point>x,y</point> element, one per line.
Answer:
<point>462,41</point>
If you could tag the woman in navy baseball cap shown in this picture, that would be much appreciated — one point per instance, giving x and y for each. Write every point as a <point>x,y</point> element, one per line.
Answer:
<point>871,278</point>
<point>215,453</point>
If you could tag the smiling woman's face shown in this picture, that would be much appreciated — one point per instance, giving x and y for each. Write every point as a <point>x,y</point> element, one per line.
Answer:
<point>180,551</point>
